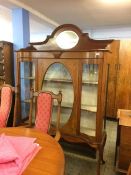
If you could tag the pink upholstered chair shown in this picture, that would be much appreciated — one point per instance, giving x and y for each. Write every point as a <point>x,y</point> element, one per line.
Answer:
<point>43,115</point>
<point>5,103</point>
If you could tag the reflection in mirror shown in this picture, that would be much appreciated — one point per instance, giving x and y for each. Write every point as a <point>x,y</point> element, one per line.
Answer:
<point>57,78</point>
<point>89,99</point>
<point>67,39</point>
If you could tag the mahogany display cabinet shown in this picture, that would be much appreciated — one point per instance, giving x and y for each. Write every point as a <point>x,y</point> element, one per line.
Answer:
<point>79,73</point>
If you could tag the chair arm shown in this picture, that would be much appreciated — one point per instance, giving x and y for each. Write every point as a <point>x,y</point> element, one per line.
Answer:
<point>57,136</point>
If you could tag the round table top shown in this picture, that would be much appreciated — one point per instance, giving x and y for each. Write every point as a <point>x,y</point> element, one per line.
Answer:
<point>49,160</point>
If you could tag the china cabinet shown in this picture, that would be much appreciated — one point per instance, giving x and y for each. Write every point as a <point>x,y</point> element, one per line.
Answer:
<point>77,72</point>
<point>7,69</point>
<point>6,63</point>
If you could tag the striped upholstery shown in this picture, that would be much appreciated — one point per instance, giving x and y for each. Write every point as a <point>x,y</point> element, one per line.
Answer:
<point>5,106</point>
<point>44,110</point>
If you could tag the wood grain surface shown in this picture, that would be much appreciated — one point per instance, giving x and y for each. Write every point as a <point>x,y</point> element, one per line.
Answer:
<point>49,160</point>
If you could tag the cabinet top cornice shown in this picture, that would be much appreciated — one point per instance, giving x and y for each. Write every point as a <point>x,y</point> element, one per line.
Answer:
<point>84,42</point>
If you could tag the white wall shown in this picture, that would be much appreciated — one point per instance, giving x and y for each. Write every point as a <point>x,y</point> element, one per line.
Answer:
<point>114,32</point>
<point>39,31</point>
<point>5,24</point>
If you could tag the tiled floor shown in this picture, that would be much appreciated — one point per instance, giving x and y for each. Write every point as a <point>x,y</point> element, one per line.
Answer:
<point>82,165</point>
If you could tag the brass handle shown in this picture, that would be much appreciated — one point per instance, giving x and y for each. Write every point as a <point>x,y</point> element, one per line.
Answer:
<point>117,66</point>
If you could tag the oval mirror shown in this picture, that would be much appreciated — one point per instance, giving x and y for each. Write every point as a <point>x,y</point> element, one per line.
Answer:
<point>67,39</point>
<point>58,78</point>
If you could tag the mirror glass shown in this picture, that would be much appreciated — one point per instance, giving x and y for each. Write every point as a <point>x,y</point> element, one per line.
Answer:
<point>67,39</point>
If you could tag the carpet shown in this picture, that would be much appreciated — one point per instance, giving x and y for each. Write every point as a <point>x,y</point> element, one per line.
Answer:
<point>79,165</point>
<point>79,160</point>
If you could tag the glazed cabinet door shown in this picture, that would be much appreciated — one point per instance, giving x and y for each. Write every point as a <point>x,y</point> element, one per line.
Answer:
<point>62,75</point>
<point>91,121</point>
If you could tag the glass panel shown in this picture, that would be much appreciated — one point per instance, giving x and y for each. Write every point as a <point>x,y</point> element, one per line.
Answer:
<point>27,82</point>
<point>89,99</point>
<point>57,78</point>
<point>1,55</point>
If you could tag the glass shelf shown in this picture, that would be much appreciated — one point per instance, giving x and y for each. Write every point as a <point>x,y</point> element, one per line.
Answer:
<point>90,82</point>
<point>69,81</point>
<point>88,131</point>
<point>26,101</point>
<point>58,80</point>
<point>28,78</point>
<point>2,77</point>
<point>89,108</point>
<point>2,62</point>
<point>83,107</point>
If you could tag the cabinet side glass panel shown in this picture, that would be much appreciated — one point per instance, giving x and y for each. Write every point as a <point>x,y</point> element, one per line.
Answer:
<point>89,99</point>
<point>27,82</point>
<point>58,78</point>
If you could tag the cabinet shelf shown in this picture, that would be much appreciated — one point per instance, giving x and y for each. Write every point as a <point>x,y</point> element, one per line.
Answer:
<point>28,78</point>
<point>2,62</point>
<point>69,81</point>
<point>89,108</point>
<point>58,80</point>
<point>83,107</point>
<point>26,101</point>
<point>90,82</point>
<point>88,131</point>
<point>2,77</point>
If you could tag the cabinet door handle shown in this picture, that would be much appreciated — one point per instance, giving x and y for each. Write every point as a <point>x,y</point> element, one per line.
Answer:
<point>116,66</point>
<point>119,66</point>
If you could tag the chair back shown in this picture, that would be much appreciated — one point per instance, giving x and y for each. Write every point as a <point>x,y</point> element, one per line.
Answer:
<point>44,110</point>
<point>44,106</point>
<point>5,104</point>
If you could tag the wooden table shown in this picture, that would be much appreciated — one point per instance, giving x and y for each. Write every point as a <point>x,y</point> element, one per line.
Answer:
<point>49,160</point>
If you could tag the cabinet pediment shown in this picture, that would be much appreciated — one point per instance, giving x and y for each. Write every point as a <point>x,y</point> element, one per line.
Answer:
<point>77,40</point>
